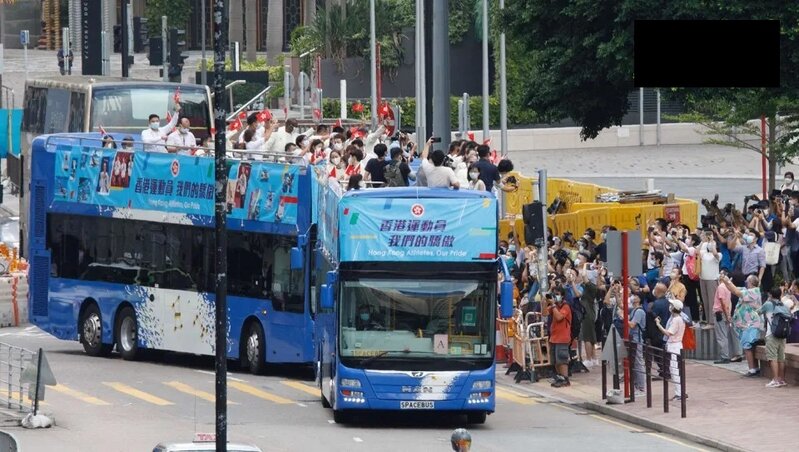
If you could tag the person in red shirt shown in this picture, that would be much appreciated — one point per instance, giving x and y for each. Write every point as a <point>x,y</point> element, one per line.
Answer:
<point>560,335</point>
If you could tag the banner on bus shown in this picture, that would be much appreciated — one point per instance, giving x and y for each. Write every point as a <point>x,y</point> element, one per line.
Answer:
<point>433,230</point>
<point>178,184</point>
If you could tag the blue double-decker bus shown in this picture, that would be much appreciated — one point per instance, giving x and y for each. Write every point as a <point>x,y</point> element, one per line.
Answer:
<point>408,281</point>
<point>121,247</point>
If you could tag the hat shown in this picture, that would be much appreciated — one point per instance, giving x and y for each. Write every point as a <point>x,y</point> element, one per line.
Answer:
<point>677,304</point>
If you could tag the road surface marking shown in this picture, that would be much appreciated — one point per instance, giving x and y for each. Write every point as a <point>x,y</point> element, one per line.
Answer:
<point>672,440</point>
<point>208,372</point>
<point>331,421</point>
<point>356,439</point>
<point>618,424</point>
<point>253,391</point>
<point>184,388</point>
<point>302,387</point>
<point>133,392</point>
<point>79,395</point>
<point>513,397</point>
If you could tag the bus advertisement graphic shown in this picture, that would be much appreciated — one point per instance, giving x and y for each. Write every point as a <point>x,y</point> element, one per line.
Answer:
<point>433,230</point>
<point>177,184</point>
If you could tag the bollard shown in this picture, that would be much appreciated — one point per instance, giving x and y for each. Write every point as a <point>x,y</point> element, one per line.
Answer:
<point>648,369</point>
<point>681,367</point>
<point>630,362</point>
<point>604,379</point>
<point>666,376</point>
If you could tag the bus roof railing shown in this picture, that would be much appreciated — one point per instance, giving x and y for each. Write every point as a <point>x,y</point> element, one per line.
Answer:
<point>96,140</point>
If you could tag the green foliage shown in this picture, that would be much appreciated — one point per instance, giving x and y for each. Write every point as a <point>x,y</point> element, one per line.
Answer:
<point>460,19</point>
<point>342,30</point>
<point>176,11</point>
<point>581,52</point>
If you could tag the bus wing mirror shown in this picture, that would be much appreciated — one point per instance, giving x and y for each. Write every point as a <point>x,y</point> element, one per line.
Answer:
<point>327,297</point>
<point>296,258</point>
<point>506,299</point>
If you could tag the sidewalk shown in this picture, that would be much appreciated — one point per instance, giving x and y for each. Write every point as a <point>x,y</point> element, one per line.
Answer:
<point>725,410</point>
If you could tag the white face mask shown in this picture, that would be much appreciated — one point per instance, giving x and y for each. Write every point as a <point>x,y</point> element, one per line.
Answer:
<point>474,174</point>
<point>183,131</point>
<point>338,146</point>
<point>109,145</point>
<point>335,160</point>
<point>154,125</point>
<point>305,143</point>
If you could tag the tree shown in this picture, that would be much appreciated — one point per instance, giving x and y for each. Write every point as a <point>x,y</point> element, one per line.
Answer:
<point>582,51</point>
<point>728,117</point>
<point>176,11</point>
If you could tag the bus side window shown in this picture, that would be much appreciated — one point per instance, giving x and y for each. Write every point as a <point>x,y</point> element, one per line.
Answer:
<point>35,106</point>
<point>56,117</point>
<point>77,112</point>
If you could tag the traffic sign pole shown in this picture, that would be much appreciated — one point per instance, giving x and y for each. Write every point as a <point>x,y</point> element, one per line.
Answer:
<point>625,269</point>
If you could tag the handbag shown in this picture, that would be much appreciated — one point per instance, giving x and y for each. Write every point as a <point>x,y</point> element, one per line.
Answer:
<point>689,339</point>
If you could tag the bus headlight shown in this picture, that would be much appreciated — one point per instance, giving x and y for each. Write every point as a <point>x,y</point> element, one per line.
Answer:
<point>350,382</point>
<point>481,384</point>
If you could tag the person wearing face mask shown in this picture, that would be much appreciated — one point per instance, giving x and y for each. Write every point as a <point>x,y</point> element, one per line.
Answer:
<point>708,275</point>
<point>154,137</point>
<point>181,141</point>
<point>108,142</point>
<point>789,183</point>
<point>674,331</point>
<point>355,156</point>
<point>318,148</point>
<point>637,326</point>
<point>127,143</point>
<point>753,257</point>
<point>475,183</point>
<point>366,321</point>
<point>560,335</point>
<point>374,171</point>
<point>335,166</point>
<point>602,248</point>
<point>337,143</point>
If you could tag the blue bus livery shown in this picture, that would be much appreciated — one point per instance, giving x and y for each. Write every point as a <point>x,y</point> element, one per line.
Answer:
<point>408,301</point>
<point>122,252</point>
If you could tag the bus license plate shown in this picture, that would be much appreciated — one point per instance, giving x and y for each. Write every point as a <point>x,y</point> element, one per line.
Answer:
<point>415,405</point>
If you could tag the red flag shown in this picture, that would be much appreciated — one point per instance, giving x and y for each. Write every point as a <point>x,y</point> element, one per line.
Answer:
<point>317,114</point>
<point>338,123</point>
<point>234,125</point>
<point>265,116</point>
<point>102,130</point>
<point>243,115</point>
<point>357,107</point>
<point>168,117</point>
<point>286,112</point>
<point>176,97</point>
<point>487,141</point>
<point>470,135</point>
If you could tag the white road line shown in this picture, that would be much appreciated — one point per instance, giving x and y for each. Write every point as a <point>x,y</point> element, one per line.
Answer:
<point>356,439</point>
<point>331,421</point>
<point>302,405</point>
<point>208,372</point>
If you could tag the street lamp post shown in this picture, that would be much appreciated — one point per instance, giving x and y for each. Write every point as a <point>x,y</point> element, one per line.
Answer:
<point>373,65</point>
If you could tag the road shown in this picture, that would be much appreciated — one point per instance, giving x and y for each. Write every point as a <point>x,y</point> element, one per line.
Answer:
<point>688,171</point>
<point>113,405</point>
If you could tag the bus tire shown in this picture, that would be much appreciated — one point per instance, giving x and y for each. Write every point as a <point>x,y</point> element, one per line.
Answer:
<point>476,418</point>
<point>255,348</point>
<point>127,337</point>
<point>91,332</point>
<point>342,417</point>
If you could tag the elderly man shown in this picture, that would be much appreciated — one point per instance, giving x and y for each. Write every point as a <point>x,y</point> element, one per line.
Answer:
<point>746,318</point>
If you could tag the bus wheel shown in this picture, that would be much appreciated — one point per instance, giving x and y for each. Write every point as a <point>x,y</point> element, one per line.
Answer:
<point>256,349</point>
<point>127,333</point>
<point>476,417</point>
<point>91,332</point>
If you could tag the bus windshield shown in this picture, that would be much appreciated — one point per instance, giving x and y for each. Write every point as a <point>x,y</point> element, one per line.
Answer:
<point>126,109</point>
<point>417,318</point>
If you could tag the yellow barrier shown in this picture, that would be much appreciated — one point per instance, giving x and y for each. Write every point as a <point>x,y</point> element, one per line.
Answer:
<point>582,210</point>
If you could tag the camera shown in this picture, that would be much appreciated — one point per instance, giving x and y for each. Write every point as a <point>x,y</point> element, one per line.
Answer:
<point>435,140</point>
<point>511,179</point>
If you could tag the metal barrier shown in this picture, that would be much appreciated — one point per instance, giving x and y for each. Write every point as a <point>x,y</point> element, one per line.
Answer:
<point>15,393</point>
<point>668,364</point>
<point>529,345</point>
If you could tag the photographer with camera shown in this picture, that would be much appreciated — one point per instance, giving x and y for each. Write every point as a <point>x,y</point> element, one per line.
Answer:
<point>436,174</point>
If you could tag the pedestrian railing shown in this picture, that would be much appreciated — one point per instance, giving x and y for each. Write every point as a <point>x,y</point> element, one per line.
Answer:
<point>640,360</point>
<point>15,392</point>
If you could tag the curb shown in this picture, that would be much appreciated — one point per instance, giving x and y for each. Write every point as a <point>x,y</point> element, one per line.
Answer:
<point>632,419</point>
<point>651,425</point>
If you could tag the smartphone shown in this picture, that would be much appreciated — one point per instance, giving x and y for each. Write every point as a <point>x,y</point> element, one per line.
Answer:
<point>435,140</point>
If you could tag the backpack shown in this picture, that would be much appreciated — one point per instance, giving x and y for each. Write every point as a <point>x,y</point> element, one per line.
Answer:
<point>393,175</point>
<point>578,314</point>
<point>692,267</point>
<point>780,324</point>
<point>651,333</point>
<point>772,250</point>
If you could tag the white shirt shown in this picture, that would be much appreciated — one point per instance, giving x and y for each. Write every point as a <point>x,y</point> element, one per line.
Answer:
<point>152,138</point>
<point>184,142</point>
<point>438,176</point>
<point>280,138</point>
<point>710,264</point>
